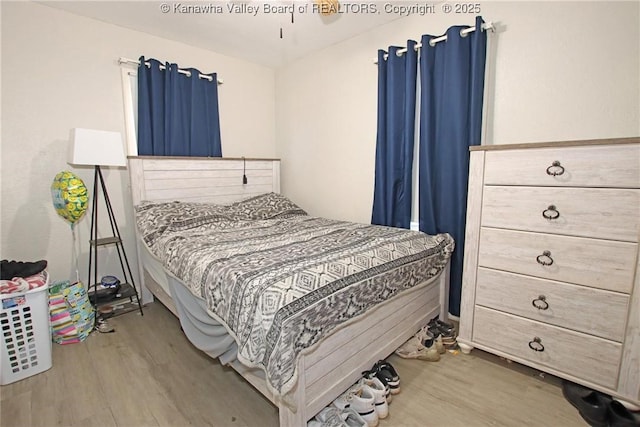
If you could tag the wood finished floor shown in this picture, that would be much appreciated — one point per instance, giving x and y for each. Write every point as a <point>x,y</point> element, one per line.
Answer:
<point>148,374</point>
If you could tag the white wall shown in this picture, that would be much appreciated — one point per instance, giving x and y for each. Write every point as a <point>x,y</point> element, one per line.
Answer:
<point>558,71</point>
<point>59,71</point>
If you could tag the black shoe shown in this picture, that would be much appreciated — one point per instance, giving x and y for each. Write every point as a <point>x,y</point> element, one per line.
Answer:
<point>437,326</point>
<point>593,406</point>
<point>11,269</point>
<point>620,416</point>
<point>386,370</point>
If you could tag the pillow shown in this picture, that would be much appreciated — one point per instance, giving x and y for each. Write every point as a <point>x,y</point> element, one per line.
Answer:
<point>265,206</point>
<point>198,214</point>
<point>153,219</point>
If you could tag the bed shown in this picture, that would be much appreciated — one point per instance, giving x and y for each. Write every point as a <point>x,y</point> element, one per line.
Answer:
<point>302,381</point>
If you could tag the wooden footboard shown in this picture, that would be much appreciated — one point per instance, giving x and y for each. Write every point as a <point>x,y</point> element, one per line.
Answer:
<point>338,361</point>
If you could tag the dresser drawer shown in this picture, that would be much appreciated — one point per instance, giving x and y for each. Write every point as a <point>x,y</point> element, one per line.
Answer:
<point>588,166</point>
<point>588,310</point>
<point>584,356</point>
<point>602,264</point>
<point>588,212</point>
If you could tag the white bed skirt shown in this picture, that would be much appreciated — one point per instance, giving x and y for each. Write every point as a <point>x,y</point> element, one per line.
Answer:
<point>204,332</point>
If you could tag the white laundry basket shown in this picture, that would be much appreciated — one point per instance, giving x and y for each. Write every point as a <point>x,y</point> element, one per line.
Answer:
<point>26,335</point>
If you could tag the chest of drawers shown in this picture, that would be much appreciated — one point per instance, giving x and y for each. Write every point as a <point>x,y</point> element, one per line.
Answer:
<point>551,270</point>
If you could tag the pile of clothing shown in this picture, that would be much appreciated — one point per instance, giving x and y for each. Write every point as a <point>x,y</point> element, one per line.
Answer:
<point>18,276</point>
<point>70,311</point>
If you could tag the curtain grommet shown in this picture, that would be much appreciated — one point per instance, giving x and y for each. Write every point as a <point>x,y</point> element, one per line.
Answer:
<point>432,42</point>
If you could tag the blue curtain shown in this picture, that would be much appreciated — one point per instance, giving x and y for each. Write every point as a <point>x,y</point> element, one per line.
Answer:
<point>395,139</point>
<point>177,114</point>
<point>452,84</point>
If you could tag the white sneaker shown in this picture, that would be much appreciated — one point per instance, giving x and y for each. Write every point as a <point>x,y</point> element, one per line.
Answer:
<point>334,417</point>
<point>379,393</point>
<point>373,373</point>
<point>328,417</point>
<point>352,419</point>
<point>361,399</point>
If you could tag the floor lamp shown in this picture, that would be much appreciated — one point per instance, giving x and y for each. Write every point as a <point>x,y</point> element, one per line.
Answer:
<point>102,148</point>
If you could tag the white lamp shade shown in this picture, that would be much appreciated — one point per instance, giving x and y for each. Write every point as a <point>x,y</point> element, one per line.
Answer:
<point>96,147</point>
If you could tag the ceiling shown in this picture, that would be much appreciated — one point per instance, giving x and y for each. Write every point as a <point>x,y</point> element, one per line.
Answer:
<point>233,27</point>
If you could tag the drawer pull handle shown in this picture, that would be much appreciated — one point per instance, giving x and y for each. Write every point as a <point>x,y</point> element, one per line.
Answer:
<point>555,169</point>
<point>551,213</point>
<point>545,258</point>
<point>540,303</point>
<point>536,344</point>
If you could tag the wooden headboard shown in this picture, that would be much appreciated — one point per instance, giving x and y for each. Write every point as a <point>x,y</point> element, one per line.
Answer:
<point>201,179</point>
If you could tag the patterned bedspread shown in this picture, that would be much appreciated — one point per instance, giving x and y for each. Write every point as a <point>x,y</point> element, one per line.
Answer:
<point>279,279</point>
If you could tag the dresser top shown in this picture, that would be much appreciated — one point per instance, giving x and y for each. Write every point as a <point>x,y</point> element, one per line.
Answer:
<point>557,144</point>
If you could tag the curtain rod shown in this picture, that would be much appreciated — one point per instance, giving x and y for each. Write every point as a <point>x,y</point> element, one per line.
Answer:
<point>486,26</point>
<point>127,61</point>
